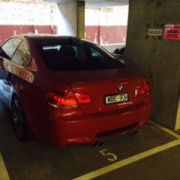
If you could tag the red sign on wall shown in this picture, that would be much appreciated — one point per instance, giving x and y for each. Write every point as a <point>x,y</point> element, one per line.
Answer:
<point>172,32</point>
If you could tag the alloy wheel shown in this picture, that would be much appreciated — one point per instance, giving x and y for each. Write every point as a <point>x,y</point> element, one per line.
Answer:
<point>19,121</point>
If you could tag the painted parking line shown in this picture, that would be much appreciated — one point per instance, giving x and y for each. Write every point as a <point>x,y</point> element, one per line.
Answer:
<point>134,158</point>
<point>165,129</point>
<point>5,176</point>
<point>3,171</point>
<point>128,161</point>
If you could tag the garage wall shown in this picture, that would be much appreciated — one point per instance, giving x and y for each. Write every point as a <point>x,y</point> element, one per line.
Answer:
<point>106,26</point>
<point>26,17</point>
<point>155,56</point>
<point>35,16</point>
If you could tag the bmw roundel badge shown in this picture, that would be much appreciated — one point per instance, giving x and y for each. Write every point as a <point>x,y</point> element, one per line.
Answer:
<point>120,88</point>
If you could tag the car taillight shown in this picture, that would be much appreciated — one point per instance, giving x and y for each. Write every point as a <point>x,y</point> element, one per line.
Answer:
<point>145,89</point>
<point>68,100</point>
<point>83,98</point>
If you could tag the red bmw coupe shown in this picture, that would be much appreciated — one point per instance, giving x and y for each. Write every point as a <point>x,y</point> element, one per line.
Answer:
<point>64,90</point>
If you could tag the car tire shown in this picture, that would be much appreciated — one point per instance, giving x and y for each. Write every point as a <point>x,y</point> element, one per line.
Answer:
<point>19,120</point>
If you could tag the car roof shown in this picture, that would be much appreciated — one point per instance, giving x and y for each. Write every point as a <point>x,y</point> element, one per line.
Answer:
<point>52,37</point>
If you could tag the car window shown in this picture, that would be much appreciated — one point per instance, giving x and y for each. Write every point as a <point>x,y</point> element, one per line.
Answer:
<point>22,55</point>
<point>95,53</point>
<point>72,57</point>
<point>10,46</point>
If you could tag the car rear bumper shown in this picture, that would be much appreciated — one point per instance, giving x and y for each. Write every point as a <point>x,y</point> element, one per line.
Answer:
<point>89,128</point>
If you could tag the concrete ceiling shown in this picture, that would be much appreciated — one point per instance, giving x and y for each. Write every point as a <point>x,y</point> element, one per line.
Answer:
<point>95,3</point>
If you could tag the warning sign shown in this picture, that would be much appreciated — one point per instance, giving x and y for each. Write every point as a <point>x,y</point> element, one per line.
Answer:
<point>172,32</point>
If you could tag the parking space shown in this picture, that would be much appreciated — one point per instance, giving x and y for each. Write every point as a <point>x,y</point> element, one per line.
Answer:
<point>152,153</point>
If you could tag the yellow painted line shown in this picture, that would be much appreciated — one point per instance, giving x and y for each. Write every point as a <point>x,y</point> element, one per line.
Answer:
<point>177,125</point>
<point>128,161</point>
<point>165,129</point>
<point>3,171</point>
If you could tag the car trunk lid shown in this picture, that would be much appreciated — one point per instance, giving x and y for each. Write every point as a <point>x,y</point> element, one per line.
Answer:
<point>110,90</point>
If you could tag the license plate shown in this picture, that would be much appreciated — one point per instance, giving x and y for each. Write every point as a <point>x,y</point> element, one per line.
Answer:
<point>117,98</point>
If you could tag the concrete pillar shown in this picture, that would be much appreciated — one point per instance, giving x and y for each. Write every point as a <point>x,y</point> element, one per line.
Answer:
<point>71,19</point>
<point>67,23</point>
<point>155,56</point>
<point>81,19</point>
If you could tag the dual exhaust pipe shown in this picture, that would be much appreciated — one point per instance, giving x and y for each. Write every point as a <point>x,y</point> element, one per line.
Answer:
<point>133,133</point>
<point>95,143</point>
<point>100,143</point>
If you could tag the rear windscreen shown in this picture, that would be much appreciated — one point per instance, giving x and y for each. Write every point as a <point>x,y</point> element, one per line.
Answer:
<point>77,57</point>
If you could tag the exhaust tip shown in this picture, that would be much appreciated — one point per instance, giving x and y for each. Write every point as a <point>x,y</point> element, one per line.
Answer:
<point>93,144</point>
<point>133,133</point>
<point>100,143</point>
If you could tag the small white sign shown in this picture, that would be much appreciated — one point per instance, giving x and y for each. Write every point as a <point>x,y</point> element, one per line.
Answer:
<point>155,32</point>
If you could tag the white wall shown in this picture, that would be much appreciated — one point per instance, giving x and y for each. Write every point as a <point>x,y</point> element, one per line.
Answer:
<point>63,15</point>
<point>112,16</point>
<point>26,13</point>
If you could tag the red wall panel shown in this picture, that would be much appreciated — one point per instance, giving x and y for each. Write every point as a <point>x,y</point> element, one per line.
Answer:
<point>106,34</point>
<point>7,31</point>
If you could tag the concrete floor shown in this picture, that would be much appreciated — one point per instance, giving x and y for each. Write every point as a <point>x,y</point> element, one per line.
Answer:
<point>153,154</point>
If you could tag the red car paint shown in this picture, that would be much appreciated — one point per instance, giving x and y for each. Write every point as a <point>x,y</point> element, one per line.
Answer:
<point>68,106</point>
